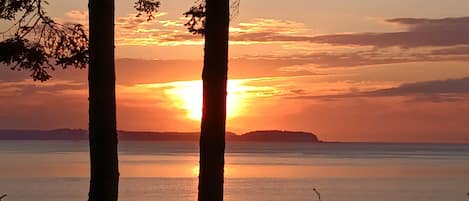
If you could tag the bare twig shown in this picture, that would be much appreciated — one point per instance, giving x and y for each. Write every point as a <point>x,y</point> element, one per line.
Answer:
<point>234,9</point>
<point>196,16</point>
<point>3,196</point>
<point>317,193</point>
<point>148,7</point>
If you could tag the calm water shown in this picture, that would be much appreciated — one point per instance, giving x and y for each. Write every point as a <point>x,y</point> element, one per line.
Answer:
<point>58,170</point>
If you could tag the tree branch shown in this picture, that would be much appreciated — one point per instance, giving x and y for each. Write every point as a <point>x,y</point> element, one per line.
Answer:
<point>64,44</point>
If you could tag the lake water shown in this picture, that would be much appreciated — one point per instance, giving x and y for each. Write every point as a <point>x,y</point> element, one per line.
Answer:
<point>58,170</point>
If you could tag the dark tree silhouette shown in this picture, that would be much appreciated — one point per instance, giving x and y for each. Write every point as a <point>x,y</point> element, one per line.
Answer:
<point>102,110</point>
<point>34,40</point>
<point>196,15</point>
<point>214,76</point>
<point>211,18</point>
<point>38,39</point>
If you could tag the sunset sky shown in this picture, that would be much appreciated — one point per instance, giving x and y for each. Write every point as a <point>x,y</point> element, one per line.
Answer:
<point>380,70</point>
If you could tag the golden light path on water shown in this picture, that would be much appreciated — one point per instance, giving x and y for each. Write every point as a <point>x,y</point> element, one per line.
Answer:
<point>228,170</point>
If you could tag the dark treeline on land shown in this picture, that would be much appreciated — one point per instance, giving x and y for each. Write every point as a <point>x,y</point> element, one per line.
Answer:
<point>81,134</point>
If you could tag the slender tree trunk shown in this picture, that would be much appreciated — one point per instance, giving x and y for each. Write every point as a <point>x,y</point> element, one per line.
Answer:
<point>215,73</point>
<point>102,111</point>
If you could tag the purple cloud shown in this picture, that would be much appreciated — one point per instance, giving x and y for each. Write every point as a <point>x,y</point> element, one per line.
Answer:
<point>419,33</point>
<point>430,91</point>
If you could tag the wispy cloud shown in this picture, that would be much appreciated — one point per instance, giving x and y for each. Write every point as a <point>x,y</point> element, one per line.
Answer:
<point>417,33</point>
<point>261,25</point>
<point>429,91</point>
<point>373,57</point>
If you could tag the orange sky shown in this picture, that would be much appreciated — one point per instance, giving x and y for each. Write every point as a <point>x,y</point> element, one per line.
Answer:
<point>378,71</point>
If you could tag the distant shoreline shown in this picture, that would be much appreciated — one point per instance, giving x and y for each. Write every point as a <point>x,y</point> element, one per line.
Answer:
<point>81,134</point>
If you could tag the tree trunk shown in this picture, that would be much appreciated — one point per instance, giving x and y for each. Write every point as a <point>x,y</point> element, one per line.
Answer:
<point>215,73</point>
<point>102,109</point>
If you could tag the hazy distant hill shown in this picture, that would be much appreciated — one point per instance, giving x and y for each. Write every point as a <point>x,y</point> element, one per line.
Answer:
<point>80,134</point>
<point>276,136</point>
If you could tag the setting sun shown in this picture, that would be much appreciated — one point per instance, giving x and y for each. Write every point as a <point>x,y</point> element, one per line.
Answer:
<point>187,96</point>
<point>195,170</point>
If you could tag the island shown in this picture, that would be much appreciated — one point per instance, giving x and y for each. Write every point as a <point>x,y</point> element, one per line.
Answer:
<point>81,134</point>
